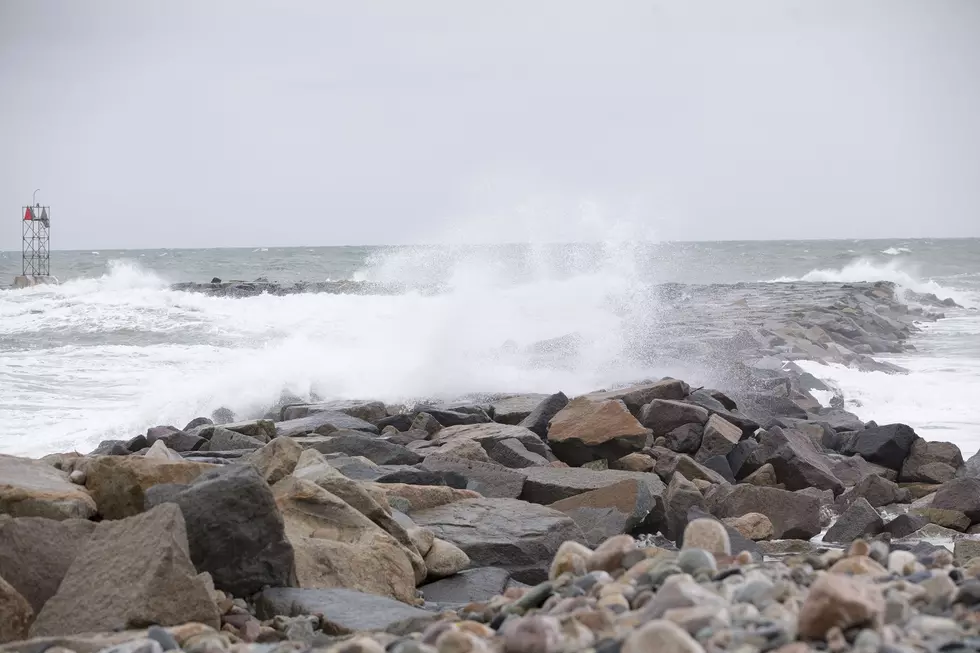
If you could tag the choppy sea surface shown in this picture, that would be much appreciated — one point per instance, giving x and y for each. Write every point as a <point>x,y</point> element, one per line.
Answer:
<point>112,349</point>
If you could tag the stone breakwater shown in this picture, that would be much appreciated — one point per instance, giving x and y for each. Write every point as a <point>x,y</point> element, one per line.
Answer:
<point>652,517</point>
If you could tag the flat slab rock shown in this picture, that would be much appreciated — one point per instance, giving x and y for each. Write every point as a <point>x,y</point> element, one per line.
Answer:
<point>31,488</point>
<point>472,585</point>
<point>342,611</point>
<point>305,425</point>
<point>515,535</point>
<point>546,485</point>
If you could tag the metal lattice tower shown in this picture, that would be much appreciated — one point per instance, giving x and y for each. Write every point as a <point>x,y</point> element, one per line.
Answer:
<point>36,253</point>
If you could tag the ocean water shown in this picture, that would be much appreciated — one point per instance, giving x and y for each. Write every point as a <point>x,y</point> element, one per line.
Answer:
<point>112,350</point>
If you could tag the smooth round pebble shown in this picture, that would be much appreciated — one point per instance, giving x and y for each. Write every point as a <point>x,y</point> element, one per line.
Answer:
<point>692,561</point>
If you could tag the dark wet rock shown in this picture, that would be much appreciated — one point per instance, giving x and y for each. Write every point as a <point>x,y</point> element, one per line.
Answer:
<point>412,476</point>
<point>763,407</point>
<point>685,438</point>
<point>235,531</point>
<point>197,422</point>
<point>488,479</point>
<point>375,449</point>
<point>514,409</point>
<point>401,422</point>
<point>797,462</point>
<point>888,446</point>
<point>323,422</point>
<point>487,436</point>
<point>369,411</point>
<point>904,525</point>
<point>609,511</point>
<point>512,453</point>
<point>961,494</point>
<point>839,420</point>
<point>931,462</point>
<point>859,520</point>
<point>260,429</point>
<point>851,469</point>
<point>137,443</point>
<point>342,611</point>
<point>455,417</point>
<point>793,515</point>
<point>176,440</point>
<point>515,535</point>
<point>877,490</point>
<point>357,468</point>
<point>111,448</point>
<point>637,396</point>
<point>35,554</point>
<point>470,586</point>
<point>720,465</point>
<point>223,439</point>
<point>744,452</point>
<point>680,497</point>
<point>538,419</point>
<point>587,430</point>
<point>546,485</point>
<point>718,439</point>
<point>663,416</point>
<point>130,573</point>
<point>669,463</point>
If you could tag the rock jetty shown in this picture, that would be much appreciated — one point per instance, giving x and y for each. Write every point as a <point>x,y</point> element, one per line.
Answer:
<point>657,516</point>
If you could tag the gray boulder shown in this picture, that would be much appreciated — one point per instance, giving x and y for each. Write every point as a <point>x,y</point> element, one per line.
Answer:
<point>681,496</point>
<point>663,416</point>
<point>369,411</point>
<point>514,409</point>
<point>538,419</point>
<point>223,439</point>
<point>323,421</point>
<point>797,461</point>
<point>35,554</point>
<point>375,449</point>
<point>876,490</point>
<point>470,586</point>
<point>130,573</point>
<point>961,494</point>
<point>488,479</point>
<point>609,511</point>
<point>859,520</point>
<point>546,485</point>
<point>515,535</point>
<point>793,515</point>
<point>235,531</point>
<point>685,438</point>
<point>888,445</point>
<point>931,462</point>
<point>719,438</point>
<point>512,453</point>
<point>341,611</point>
<point>851,469</point>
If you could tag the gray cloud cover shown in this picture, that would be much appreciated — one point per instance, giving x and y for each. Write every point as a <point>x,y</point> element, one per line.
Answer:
<point>244,123</point>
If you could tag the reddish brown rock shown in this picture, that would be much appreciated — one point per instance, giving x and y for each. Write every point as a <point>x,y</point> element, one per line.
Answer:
<point>837,601</point>
<point>586,430</point>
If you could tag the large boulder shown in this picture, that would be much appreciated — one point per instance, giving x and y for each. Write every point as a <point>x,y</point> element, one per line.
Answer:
<point>516,408</point>
<point>970,468</point>
<point>486,435</point>
<point>276,460</point>
<point>888,445</point>
<point>851,469</point>
<point>609,511</point>
<point>718,439</point>
<point>235,531</point>
<point>488,479</point>
<point>119,484</point>
<point>335,545</point>
<point>797,461</point>
<point>538,419</point>
<point>859,520</point>
<point>961,494</point>
<point>31,488</point>
<point>174,439</point>
<point>375,449</point>
<point>16,614</point>
<point>681,496</point>
<point>637,396</point>
<point>260,429</point>
<point>323,422</point>
<point>793,515</point>
<point>470,586</point>
<point>409,498</point>
<point>35,554</point>
<point>546,485</point>
<point>669,463</point>
<point>876,490</point>
<point>130,573</point>
<point>586,430</point>
<point>663,416</point>
<point>518,536</point>
<point>369,411</point>
<point>223,439</point>
<point>931,462</point>
<point>341,611</point>
<point>512,453</point>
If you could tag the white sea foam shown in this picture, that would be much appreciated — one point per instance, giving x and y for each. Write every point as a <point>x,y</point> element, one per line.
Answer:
<point>895,251</point>
<point>141,354</point>
<point>902,273</point>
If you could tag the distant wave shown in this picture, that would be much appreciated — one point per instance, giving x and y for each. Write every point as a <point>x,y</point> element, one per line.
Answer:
<point>895,251</point>
<point>866,270</point>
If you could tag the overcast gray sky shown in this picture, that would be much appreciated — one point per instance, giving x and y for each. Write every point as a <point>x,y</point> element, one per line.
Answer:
<point>242,123</point>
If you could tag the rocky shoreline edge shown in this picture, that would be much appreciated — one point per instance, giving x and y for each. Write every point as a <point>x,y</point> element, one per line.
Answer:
<point>652,517</point>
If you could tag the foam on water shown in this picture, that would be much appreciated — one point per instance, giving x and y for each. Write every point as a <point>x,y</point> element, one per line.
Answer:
<point>141,354</point>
